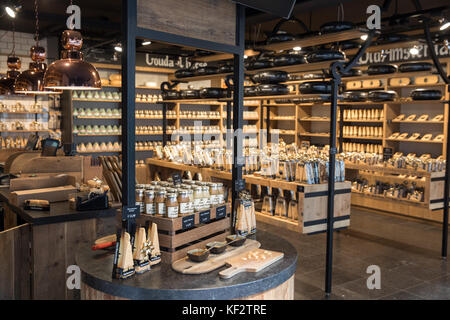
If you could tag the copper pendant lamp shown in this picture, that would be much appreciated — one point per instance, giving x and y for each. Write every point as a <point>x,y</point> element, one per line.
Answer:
<point>31,81</point>
<point>7,85</point>
<point>71,72</point>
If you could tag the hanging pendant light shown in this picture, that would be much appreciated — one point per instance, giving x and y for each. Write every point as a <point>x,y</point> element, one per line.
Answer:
<point>7,85</point>
<point>71,72</point>
<point>31,81</point>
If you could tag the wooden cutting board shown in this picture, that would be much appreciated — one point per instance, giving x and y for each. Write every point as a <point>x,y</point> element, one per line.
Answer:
<point>252,261</point>
<point>214,261</point>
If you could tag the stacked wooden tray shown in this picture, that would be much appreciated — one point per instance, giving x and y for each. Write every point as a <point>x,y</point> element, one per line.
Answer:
<point>179,235</point>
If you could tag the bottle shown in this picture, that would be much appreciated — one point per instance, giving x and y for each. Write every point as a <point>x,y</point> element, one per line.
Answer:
<point>172,205</point>
<point>160,202</point>
<point>150,207</point>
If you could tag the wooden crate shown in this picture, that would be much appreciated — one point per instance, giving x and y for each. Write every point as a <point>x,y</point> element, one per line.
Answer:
<point>179,235</point>
<point>312,209</point>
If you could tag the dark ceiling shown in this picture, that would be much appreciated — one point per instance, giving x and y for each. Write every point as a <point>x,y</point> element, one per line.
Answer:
<point>100,19</point>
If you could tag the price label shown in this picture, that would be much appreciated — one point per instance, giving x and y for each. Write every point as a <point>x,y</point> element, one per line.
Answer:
<point>130,212</point>
<point>188,222</point>
<point>176,178</point>
<point>204,216</point>
<point>221,212</point>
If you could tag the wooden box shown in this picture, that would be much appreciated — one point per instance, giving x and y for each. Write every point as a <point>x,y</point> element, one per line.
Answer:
<point>179,235</point>
<point>54,194</point>
<point>312,209</point>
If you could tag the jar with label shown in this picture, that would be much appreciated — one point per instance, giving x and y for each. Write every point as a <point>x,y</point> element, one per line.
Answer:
<point>160,202</point>
<point>172,205</point>
<point>150,207</point>
<point>220,193</point>
<point>214,190</point>
<point>198,198</point>
<point>206,197</point>
<point>184,202</point>
<point>191,200</point>
<point>140,199</point>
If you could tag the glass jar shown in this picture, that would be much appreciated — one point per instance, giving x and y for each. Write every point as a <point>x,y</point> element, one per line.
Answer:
<point>214,190</point>
<point>160,202</point>
<point>172,205</point>
<point>190,193</point>
<point>154,183</point>
<point>140,199</point>
<point>150,207</point>
<point>220,193</point>
<point>184,202</point>
<point>206,197</point>
<point>198,198</point>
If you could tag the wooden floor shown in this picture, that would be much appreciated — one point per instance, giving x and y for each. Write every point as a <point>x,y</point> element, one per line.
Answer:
<point>407,252</point>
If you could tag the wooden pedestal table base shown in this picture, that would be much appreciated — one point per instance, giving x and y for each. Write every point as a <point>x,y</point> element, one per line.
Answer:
<point>284,291</point>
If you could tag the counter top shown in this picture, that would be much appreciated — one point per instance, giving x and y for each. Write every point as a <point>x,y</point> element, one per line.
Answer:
<point>163,283</point>
<point>59,212</point>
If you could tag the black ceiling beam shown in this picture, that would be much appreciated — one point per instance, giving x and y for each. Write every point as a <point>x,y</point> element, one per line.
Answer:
<point>300,7</point>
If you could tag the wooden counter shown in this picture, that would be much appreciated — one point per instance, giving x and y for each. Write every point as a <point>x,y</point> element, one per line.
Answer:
<point>37,247</point>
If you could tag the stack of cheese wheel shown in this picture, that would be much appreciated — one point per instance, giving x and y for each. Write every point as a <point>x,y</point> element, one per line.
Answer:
<point>116,79</point>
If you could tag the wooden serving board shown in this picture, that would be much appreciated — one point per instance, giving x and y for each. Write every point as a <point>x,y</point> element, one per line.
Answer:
<point>214,261</point>
<point>252,261</point>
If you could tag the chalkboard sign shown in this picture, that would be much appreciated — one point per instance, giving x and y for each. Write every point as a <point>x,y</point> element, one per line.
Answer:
<point>176,178</point>
<point>130,212</point>
<point>221,212</point>
<point>188,222</point>
<point>387,154</point>
<point>204,216</point>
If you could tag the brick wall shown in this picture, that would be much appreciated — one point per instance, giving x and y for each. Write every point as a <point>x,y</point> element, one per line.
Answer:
<point>24,41</point>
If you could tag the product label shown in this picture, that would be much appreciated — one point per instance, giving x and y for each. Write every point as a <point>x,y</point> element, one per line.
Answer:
<point>172,212</point>
<point>198,204</point>
<point>185,207</point>
<point>161,208</point>
<point>150,208</point>
<point>187,222</point>
<point>204,216</point>
<point>206,203</point>
<point>221,212</point>
<point>214,199</point>
<point>141,206</point>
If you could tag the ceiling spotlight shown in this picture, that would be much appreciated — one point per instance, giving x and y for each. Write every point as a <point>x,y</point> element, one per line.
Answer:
<point>10,12</point>
<point>444,26</point>
<point>146,42</point>
<point>118,47</point>
<point>414,50</point>
<point>364,37</point>
<point>12,9</point>
<point>245,56</point>
<point>297,48</point>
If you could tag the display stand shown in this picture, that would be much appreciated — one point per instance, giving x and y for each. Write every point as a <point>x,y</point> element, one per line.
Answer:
<point>136,26</point>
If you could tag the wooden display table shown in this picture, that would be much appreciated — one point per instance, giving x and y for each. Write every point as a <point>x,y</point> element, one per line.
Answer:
<point>276,282</point>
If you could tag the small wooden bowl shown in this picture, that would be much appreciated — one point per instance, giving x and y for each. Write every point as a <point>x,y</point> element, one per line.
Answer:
<point>198,255</point>
<point>217,247</point>
<point>239,240</point>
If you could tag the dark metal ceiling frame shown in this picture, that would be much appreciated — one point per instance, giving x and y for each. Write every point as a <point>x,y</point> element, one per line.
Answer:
<point>130,33</point>
<point>337,69</point>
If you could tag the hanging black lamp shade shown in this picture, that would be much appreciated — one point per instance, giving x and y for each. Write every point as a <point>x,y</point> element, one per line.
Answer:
<point>71,72</point>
